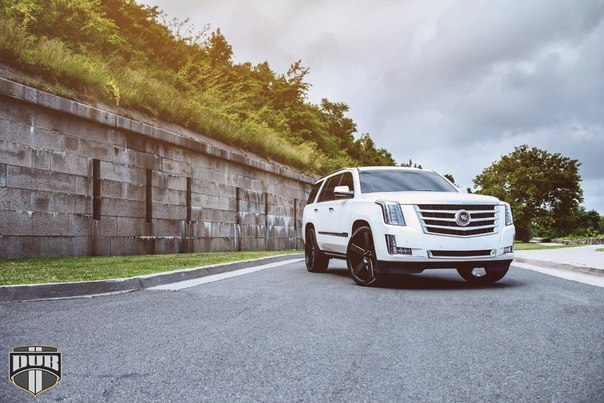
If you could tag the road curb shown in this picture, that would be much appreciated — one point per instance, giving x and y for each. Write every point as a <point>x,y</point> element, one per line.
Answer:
<point>560,266</point>
<point>27,292</point>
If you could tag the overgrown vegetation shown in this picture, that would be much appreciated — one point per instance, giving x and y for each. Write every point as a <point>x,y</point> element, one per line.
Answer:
<point>55,270</point>
<point>122,53</point>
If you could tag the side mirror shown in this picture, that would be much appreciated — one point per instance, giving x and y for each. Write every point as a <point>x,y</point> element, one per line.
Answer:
<point>343,192</point>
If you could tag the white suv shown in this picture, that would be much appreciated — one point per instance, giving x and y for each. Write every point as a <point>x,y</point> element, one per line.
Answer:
<point>405,220</point>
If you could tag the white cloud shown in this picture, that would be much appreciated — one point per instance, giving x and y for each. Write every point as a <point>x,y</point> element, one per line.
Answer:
<point>451,84</point>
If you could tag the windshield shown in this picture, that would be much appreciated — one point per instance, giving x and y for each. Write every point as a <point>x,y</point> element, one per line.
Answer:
<point>398,180</point>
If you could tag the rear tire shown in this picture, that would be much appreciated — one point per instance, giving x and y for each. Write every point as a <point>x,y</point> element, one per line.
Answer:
<point>316,262</point>
<point>483,275</point>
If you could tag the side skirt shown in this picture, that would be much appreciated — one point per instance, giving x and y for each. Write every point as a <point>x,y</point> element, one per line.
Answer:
<point>335,255</point>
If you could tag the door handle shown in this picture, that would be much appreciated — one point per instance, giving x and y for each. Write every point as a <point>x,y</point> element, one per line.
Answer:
<point>316,210</point>
<point>331,209</point>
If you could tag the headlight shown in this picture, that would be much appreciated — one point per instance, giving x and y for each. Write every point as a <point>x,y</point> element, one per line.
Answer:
<point>393,214</point>
<point>508,215</point>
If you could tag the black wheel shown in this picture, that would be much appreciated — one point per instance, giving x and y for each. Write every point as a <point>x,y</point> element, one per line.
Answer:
<point>316,262</point>
<point>360,257</point>
<point>483,275</point>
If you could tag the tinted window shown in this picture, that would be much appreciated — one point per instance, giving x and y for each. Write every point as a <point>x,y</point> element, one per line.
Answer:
<point>327,192</point>
<point>313,192</point>
<point>394,180</point>
<point>347,181</point>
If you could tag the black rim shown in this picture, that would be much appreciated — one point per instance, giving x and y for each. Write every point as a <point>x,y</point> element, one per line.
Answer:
<point>309,250</point>
<point>361,256</point>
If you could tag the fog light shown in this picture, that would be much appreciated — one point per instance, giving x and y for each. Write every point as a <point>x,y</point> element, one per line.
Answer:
<point>393,249</point>
<point>508,249</point>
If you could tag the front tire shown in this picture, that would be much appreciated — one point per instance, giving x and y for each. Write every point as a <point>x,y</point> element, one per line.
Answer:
<point>360,257</point>
<point>483,275</point>
<point>316,262</point>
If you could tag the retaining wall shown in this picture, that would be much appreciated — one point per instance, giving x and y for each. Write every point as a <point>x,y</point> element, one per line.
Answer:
<point>76,180</point>
<point>582,241</point>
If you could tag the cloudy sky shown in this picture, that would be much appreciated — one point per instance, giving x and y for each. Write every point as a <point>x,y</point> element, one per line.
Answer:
<point>452,85</point>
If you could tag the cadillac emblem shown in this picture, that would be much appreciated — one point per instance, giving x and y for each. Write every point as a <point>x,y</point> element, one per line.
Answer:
<point>463,218</point>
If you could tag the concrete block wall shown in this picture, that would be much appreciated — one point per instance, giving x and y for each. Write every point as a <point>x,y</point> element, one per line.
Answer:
<point>161,191</point>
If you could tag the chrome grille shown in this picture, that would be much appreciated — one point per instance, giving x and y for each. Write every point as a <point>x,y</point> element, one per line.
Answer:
<point>439,219</point>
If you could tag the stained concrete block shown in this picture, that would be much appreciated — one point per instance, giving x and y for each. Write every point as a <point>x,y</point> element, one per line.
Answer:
<point>170,228</point>
<point>83,204</point>
<point>56,246</point>
<point>82,246</point>
<point>18,177</point>
<point>37,179</point>
<point>70,164</point>
<point>53,181</point>
<point>2,175</point>
<point>29,247</point>
<point>83,225</point>
<point>9,247</point>
<point>129,227</point>
<point>51,224</point>
<point>168,181</point>
<point>134,191</point>
<point>83,185</point>
<point>177,168</point>
<point>91,149</point>
<point>125,246</point>
<point>170,196</point>
<point>41,138</point>
<point>146,161</point>
<point>123,208</point>
<point>15,223</point>
<point>41,159</point>
<point>169,211</point>
<point>209,214</point>
<point>113,189</point>
<point>15,154</point>
<point>15,199</point>
<point>105,227</point>
<point>122,173</point>
<point>101,246</point>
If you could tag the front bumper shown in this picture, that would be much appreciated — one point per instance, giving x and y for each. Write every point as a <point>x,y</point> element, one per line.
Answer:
<point>390,267</point>
<point>418,250</point>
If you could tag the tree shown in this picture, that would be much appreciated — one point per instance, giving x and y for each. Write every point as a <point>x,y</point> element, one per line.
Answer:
<point>219,49</point>
<point>372,156</point>
<point>543,189</point>
<point>587,223</point>
<point>450,178</point>
<point>410,164</point>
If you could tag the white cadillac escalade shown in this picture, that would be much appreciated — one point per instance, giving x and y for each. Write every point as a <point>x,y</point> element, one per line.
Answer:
<point>405,220</point>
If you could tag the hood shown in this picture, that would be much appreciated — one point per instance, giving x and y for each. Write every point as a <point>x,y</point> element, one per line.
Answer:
<point>432,198</point>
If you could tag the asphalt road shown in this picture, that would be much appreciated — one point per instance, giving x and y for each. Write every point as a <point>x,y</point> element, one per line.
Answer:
<point>284,334</point>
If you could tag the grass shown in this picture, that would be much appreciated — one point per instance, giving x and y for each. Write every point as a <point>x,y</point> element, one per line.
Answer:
<point>56,270</point>
<point>536,246</point>
<point>95,78</point>
<point>600,250</point>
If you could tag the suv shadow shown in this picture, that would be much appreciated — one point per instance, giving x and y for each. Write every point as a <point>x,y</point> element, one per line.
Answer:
<point>429,280</point>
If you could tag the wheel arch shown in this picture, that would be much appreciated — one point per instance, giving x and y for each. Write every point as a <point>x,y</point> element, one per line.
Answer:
<point>307,227</point>
<point>358,224</point>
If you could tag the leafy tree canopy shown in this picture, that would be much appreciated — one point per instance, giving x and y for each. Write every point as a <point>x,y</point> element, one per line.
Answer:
<point>132,55</point>
<point>543,189</point>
